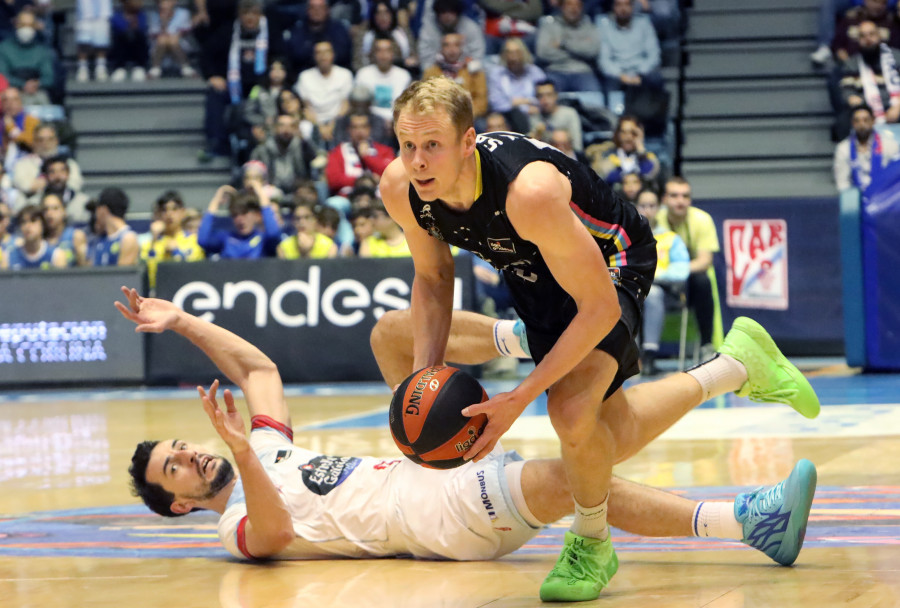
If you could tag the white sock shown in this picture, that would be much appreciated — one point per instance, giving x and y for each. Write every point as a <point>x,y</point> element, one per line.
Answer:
<point>716,520</point>
<point>590,522</point>
<point>101,61</point>
<point>82,63</point>
<point>506,342</point>
<point>721,374</point>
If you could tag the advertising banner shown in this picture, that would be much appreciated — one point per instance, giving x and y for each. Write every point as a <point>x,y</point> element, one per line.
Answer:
<point>312,317</point>
<point>756,263</point>
<point>61,327</point>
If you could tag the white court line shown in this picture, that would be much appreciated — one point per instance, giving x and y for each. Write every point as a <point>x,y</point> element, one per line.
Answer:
<point>863,420</point>
<point>80,578</point>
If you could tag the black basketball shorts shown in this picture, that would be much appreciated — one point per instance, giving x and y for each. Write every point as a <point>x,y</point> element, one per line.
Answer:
<point>621,342</point>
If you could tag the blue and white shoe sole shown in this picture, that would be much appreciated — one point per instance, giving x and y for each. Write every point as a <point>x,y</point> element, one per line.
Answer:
<point>800,488</point>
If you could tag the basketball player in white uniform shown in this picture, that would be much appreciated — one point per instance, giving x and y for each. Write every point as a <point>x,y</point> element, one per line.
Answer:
<point>292,503</point>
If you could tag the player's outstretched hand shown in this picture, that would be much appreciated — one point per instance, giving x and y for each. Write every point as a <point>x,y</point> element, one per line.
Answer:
<point>502,410</point>
<point>228,424</point>
<point>149,314</point>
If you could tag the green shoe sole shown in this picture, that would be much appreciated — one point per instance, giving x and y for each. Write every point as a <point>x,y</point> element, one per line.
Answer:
<point>805,400</point>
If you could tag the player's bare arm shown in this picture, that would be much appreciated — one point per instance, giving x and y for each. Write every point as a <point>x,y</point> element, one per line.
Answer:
<point>241,362</point>
<point>432,291</point>
<point>538,208</point>
<point>269,529</point>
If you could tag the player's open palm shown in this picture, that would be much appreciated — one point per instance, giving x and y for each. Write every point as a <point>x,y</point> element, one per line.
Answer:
<point>149,314</point>
<point>229,424</point>
<point>502,410</point>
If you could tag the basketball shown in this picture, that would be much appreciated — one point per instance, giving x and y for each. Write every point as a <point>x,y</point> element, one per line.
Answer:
<point>425,419</point>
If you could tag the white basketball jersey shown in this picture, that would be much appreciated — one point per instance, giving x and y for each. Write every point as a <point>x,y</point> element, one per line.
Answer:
<point>372,507</point>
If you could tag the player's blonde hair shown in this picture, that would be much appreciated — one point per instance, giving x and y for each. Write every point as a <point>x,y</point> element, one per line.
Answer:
<point>428,96</point>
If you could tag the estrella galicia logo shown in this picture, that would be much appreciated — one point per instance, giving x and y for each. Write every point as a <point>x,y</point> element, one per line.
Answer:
<point>502,245</point>
<point>322,474</point>
<point>282,455</point>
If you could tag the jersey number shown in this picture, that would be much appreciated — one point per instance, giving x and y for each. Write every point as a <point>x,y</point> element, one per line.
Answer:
<point>492,143</point>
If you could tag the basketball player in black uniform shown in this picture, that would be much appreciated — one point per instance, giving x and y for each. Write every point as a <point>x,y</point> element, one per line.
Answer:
<point>578,262</point>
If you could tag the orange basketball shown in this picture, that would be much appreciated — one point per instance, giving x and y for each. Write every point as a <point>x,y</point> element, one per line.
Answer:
<point>426,422</point>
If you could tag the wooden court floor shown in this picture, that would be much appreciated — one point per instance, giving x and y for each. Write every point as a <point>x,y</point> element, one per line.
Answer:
<point>72,536</point>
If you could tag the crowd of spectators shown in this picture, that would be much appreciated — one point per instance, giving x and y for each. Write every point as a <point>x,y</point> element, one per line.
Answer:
<point>299,98</point>
<point>859,42</point>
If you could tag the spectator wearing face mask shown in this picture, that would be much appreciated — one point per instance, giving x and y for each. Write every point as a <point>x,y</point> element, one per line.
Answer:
<point>27,62</point>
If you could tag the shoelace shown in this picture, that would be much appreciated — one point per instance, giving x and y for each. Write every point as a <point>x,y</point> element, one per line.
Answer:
<point>759,505</point>
<point>571,564</point>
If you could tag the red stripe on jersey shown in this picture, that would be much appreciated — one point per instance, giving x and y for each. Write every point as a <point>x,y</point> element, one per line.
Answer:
<point>266,422</point>
<point>242,538</point>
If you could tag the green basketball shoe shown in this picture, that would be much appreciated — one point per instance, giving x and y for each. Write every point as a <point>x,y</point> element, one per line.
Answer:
<point>770,376</point>
<point>584,568</point>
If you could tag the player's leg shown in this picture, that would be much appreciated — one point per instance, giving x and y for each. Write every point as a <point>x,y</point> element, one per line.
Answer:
<point>771,519</point>
<point>543,488</point>
<point>471,342</point>
<point>587,561</point>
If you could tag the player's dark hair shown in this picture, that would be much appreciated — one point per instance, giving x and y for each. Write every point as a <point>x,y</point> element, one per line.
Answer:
<point>154,496</point>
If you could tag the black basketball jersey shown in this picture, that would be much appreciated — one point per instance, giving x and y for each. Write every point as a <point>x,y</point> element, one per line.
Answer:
<point>623,235</point>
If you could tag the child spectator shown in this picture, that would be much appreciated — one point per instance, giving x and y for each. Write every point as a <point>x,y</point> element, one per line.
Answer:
<point>255,231</point>
<point>631,187</point>
<point>169,243</point>
<point>308,242</point>
<point>363,228</point>
<point>167,28</point>
<point>191,221</point>
<point>388,240</point>
<point>256,171</point>
<point>72,241</point>
<point>92,35</point>
<point>32,251</point>
<point>117,243</point>
<point>262,106</point>
<point>130,45</point>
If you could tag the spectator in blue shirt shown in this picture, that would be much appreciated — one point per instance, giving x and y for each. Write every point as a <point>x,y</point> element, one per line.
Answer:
<point>33,251</point>
<point>130,42</point>
<point>255,231</point>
